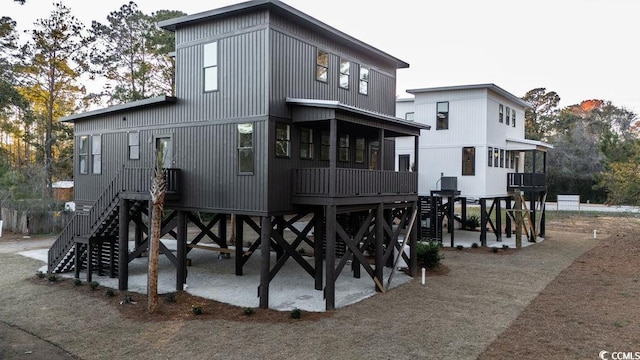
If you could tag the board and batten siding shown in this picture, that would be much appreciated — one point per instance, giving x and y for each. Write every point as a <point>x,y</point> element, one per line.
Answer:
<point>293,74</point>
<point>206,154</point>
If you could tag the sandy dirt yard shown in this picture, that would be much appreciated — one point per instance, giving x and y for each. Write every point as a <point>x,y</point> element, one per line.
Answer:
<point>569,297</point>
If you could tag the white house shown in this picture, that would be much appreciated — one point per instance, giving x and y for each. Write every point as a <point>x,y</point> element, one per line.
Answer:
<point>477,135</point>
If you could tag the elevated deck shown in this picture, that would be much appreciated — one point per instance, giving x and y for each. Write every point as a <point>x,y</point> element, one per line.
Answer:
<point>318,186</point>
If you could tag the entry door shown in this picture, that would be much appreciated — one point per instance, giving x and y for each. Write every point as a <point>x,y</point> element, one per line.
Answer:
<point>374,150</point>
<point>164,151</point>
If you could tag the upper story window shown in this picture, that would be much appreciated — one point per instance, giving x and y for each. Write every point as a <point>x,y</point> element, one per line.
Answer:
<point>322,66</point>
<point>306,143</point>
<point>83,155</point>
<point>360,149</point>
<point>410,116</point>
<point>134,145</point>
<point>96,154</point>
<point>364,81</point>
<point>508,118</point>
<point>245,148</point>
<point>442,116</point>
<point>343,154</point>
<point>283,140</point>
<point>496,157</point>
<point>325,146</point>
<point>210,64</point>
<point>501,158</point>
<point>500,113</point>
<point>344,73</point>
<point>468,161</point>
<point>490,158</point>
<point>513,117</point>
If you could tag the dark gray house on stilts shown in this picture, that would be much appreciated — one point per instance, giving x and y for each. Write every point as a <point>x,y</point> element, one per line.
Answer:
<point>278,118</point>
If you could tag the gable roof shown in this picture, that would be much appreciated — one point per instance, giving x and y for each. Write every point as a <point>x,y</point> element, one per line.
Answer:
<point>490,86</point>
<point>286,11</point>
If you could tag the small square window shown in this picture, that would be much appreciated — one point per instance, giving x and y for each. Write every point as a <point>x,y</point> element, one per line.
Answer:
<point>410,116</point>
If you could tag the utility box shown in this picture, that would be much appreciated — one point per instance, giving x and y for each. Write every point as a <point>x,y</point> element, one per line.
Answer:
<point>449,183</point>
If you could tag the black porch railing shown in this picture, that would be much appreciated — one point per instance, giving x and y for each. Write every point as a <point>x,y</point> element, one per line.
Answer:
<point>526,181</point>
<point>353,182</point>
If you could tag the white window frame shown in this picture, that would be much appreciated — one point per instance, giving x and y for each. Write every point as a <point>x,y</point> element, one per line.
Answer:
<point>210,66</point>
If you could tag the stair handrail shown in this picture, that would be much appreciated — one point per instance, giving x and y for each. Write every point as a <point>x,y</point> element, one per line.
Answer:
<point>65,241</point>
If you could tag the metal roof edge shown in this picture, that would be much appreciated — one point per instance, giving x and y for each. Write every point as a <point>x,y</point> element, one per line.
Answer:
<point>490,86</point>
<point>164,99</point>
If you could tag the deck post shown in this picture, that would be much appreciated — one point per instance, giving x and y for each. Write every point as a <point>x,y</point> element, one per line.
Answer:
<point>483,222</point>
<point>532,211</point>
<point>498,219</point>
<point>239,224</point>
<point>123,245</point>
<point>543,213</point>
<point>333,156</point>
<point>265,258</point>
<point>413,242</point>
<point>379,244</point>
<point>507,220</point>
<point>330,258</point>
<point>181,254</point>
<point>318,235</point>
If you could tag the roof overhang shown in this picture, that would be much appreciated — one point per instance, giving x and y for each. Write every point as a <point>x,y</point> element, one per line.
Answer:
<point>492,87</point>
<point>527,145</point>
<point>290,13</point>
<point>357,115</point>
<point>158,100</point>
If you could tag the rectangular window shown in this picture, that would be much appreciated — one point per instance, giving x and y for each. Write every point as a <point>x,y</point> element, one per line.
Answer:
<point>344,74</point>
<point>325,146</point>
<point>442,116</point>
<point>210,64</point>
<point>501,158</point>
<point>306,143</point>
<point>496,157</point>
<point>83,155</point>
<point>245,148</point>
<point>360,149</point>
<point>513,159</point>
<point>507,156</point>
<point>283,140</point>
<point>134,145</point>
<point>322,66</point>
<point>343,152</point>
<point>364,80</point>
<point>500,113</point>
<point>96,154</point>
<point>508,120</point>
<point>468,161</point>
<point>410,116</point>
<point>513,118</point>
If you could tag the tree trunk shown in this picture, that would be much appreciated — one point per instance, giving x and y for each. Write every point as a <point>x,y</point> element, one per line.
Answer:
<point>158,189</point>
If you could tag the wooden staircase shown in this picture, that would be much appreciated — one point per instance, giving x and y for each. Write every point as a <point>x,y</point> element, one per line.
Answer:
<point>90,239</point>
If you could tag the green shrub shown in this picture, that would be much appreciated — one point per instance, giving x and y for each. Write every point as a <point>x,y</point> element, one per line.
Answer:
<point>197,310</point>
<point>429,254</point>
<point>128,299</point>
<point>473,222</point>
<point>53,278</point>
<point>296,314</point>
<point>170,298</point>
<point>109,293</point>
<point>459,247</point>
<point>494,249</point>
<point>41,275</point>
<point>249,311</point>
<point>77,282</point>
<point>475,245</point>
<point>505,246</point>
<point>94,285</point>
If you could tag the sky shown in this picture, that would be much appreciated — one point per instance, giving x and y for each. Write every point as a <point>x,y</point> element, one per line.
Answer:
<point>581,49</point>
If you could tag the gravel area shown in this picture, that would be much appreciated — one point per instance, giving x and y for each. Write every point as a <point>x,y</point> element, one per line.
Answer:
<point>455,315</point>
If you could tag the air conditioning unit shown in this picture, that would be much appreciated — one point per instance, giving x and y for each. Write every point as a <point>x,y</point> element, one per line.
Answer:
<point>449,183</point>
